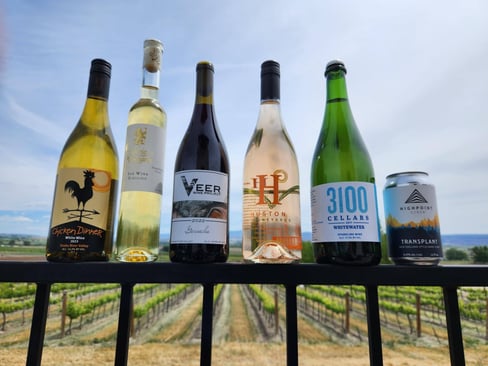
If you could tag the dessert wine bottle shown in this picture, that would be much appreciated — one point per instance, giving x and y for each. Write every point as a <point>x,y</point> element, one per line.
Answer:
<point>81,227</point>
<point>345,227</point>
<point>199,225</point>
<point>138,227</point>
<point>271,230</point>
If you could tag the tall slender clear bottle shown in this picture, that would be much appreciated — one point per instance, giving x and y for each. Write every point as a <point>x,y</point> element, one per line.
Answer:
<point>82,218</point>
<point>142,178</point>
<point>271,229</point>
<point>200,218</point>
<point>345,228</point>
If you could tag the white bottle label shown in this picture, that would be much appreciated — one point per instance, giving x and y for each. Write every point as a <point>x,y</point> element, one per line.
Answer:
<point>199,207</point>
<point>144,159</point>
<point>344,211</point>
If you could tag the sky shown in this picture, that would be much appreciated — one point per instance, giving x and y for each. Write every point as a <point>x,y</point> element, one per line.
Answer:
<point>417,82</point>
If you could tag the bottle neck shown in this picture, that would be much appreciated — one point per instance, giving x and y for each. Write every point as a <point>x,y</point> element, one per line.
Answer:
<point>203,116</point>
<point>98,86</point>
<point>204,91</point>
<point>151,66</point>
<point>150,84</point>
<point>336,87</point>
<point>269,110</point>
<point>270,87</point>
<point>95,112</point>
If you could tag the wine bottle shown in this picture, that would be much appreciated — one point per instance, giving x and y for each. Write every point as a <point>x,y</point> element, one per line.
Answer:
<point>271,230</point>
<point>138,226</point>
<point>199,225</point>
<point>81,227</point>
<point>345,225</point>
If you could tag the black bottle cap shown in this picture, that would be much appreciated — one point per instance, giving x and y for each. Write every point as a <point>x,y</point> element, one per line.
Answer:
<point>205,65</point>
<point>270,67</point>
<point>102,66</point>
<point>335,65</point>
<point>270,80</point>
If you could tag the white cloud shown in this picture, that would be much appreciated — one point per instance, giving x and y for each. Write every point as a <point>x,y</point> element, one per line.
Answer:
<point>417,83</point>
<point>8,219</point>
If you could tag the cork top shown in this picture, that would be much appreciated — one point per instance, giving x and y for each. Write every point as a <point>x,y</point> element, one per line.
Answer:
<point>153,50</point>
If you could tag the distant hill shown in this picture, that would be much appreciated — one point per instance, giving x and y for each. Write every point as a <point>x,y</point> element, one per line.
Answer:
<point>465,240</point>
<point>450,240</point>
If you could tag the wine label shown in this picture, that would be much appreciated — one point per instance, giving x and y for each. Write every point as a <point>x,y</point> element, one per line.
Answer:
<point>271,210</point>
<point>412,222</point>
<point>200,207</point>
<point>144,159</point>
<point>81,210</point>
<point>344,211</point>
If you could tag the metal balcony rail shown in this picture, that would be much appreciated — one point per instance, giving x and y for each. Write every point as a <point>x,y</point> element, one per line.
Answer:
<point>44,274</point>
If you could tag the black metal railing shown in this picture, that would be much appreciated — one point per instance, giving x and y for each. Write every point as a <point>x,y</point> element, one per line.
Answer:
<point>127,275</point>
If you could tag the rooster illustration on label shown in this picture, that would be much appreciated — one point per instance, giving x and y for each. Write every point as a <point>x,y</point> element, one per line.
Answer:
<point>82,195</point>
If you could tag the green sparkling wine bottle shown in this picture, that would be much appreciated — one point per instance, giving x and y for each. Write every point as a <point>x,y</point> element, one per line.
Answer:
<point>345,225</point>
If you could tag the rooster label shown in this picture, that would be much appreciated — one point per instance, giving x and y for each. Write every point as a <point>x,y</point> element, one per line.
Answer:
<point>81,216</point>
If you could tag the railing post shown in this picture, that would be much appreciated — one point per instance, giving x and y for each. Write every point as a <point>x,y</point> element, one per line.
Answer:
<point>374,326</point>
<point>38,325</point>
<point>123,330</point>
<point>418,308</point>
<point>453,321</point>
<point>207,324</point>
<point>486,321</point>
<point>277,313</point>
<point>64,306</point>
<point>291,326</point>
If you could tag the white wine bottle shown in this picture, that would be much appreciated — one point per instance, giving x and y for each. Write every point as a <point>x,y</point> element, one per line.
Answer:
<point>138,226</point>
<point>82,218</point>
<point>200,218</point>
<point>271,229</point>
<point>345,225</point>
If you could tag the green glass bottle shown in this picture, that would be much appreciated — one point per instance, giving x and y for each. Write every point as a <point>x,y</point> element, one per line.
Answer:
<point>345,225</point>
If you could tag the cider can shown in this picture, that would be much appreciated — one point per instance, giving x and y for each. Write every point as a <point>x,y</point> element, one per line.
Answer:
<point>412,219</point>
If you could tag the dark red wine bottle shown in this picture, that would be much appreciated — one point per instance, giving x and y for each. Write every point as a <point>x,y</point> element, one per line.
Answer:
<point>200,218</point>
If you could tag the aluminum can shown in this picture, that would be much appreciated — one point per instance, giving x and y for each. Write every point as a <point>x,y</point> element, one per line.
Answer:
<point>412,219</point>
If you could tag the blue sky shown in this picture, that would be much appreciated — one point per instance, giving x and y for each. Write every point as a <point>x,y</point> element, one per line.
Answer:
<point>417,81</point>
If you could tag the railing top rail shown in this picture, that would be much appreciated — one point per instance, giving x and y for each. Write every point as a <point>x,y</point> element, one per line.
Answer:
<point>294,274</point>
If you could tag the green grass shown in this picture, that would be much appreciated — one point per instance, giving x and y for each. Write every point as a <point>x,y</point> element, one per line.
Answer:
<point>20,250</point>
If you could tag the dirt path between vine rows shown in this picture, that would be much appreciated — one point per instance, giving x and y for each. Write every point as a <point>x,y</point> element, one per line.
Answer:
<point>244,354</point>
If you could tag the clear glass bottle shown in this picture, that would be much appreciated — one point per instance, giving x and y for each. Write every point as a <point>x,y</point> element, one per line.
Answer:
<point>345,225</point>
<point>82,218</point>
<point>271,228</point>
<point>200,217</point>
<point>142,178</point>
